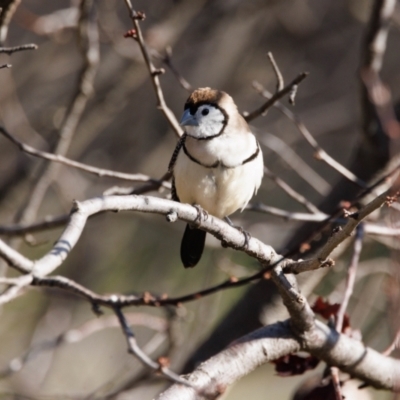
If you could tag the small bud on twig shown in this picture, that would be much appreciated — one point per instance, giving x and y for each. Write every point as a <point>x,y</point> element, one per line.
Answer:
<point>131,34</point>
<point>139,15</point>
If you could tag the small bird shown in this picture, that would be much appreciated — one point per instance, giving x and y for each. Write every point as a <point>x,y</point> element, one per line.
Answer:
<point>217,164</point>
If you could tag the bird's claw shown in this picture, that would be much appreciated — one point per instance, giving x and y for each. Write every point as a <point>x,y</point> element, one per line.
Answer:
<point>246,236</point>
<point>202,215</point>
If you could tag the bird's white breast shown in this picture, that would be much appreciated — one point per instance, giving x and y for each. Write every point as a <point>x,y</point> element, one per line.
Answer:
<point>224,189</point>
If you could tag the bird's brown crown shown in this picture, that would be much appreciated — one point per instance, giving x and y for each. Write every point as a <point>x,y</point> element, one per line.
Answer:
<point>209,96</point>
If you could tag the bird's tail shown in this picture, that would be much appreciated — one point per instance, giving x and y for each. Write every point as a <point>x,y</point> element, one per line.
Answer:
<point>192,246</point>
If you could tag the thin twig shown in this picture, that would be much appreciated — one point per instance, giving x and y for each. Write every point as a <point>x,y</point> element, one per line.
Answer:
<point>288,215</point>
<point>280,83</point>
<point>11,50</point>
<point>153,71</point>
<point>167,60</point>
<point>8,9</point>
<point>375,38</point>
<point>274,98</point>
<point>393,346</point>
<point>292,159</point>
<point>319,154</point>
<point>82,332</point>
<point>89,39</point>
<point>338,237</point>
<point>292,193</point>
<point>351,276</point>
<point>101,172</point>
<point>336,383</point>
<point>5,66</point>
<point>134,349</point>
<point>379,123</point>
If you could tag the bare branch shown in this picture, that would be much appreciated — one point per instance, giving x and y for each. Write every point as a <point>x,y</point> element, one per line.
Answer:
<point>134,349</point>
<point>11,50</point>
<point>88,32</point>
<point>153,71</point>
<point>280,83</point>
<point>292,193</point>
<point>351,276</point>
<point>375,40</point>
<point>5,66</point>
<point>274,98</point>
<point>288,215</point>
<point>81,166</point>
<point>213,376</point>
<point>230,236</point>
<point>8,9</point>
<point>23,229</point>
<point>379,123</point>
<point>380,230</point>
<point>167,60</point>
<point>291,158</point>
<point>320,154</point>
<point>342,234</point>
<point>336,383</point>
<point>394,345</point>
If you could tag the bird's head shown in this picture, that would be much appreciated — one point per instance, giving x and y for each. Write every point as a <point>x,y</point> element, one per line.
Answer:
<point>207,113</point>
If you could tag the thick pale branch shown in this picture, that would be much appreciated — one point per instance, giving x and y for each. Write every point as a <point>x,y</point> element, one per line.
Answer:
<point>173,210</point>
<point>212,377</point>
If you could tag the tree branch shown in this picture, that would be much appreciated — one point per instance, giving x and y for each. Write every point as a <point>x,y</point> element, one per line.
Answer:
<point>153,71</point>
<point>275,97</point>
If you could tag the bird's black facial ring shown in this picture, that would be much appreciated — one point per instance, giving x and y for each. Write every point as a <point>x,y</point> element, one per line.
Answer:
<point>193,109</point>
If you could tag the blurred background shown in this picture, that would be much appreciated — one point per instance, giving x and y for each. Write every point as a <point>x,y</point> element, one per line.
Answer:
<point>219,43</point>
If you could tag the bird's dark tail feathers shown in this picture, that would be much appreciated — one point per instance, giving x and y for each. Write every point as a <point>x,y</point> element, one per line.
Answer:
<point>192,246</point>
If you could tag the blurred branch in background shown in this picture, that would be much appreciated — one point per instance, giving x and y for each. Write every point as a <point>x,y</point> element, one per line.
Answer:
<point>100,119</point>
<point>258,304</point>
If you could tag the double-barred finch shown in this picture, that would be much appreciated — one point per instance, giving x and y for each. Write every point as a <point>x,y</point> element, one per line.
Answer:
<point>217,164</point>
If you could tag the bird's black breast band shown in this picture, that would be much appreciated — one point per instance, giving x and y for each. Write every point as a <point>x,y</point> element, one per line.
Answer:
<point>218,163</point>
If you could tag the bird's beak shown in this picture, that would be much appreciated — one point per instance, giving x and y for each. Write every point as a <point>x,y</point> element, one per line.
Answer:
<point>188,119</point>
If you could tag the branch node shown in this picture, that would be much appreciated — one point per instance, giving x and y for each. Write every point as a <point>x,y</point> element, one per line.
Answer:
<point>96,309</point>
<point>318,155</point>
<point>172,216</point>
<point>163,362</point>
<point>138,15</point>
<point>391,199</point>
<point>158,71</point>
<point>292,95</point>
<point>76,206</point>
<point>336,230</point>
<point>328,262</point>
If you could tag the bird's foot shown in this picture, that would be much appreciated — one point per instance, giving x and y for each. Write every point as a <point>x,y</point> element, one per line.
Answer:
<point>202,215</point>
<point>246,234</point>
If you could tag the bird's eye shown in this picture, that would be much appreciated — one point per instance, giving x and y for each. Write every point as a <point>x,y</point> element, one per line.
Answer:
<point>205,111</point>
